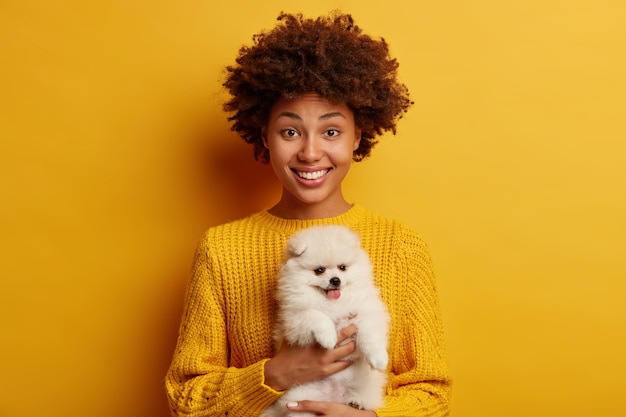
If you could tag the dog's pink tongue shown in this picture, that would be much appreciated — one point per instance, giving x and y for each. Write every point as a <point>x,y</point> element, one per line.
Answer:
<point>334,294</point>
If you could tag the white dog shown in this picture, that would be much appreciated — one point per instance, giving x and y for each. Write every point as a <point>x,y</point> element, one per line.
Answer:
<point>325,284</point>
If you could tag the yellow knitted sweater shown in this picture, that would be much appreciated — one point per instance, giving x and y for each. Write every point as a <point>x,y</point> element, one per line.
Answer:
<point>225,334</point>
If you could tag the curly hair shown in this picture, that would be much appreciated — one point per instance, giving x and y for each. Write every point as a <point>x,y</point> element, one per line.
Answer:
<point>330,56</point>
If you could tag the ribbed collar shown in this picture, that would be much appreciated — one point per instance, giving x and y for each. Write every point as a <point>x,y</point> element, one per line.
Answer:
<point>290,226</point>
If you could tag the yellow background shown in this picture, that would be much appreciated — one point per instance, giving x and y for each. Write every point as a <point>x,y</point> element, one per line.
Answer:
<point>115,157</point>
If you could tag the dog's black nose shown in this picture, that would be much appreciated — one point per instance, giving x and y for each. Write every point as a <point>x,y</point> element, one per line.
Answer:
<point>335,282</point>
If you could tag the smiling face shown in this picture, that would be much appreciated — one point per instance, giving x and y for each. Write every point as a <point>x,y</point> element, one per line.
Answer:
<point>311,142</point>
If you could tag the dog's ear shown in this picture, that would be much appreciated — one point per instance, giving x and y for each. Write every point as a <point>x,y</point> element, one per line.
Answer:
<point>296,247</point>
<point>354,239</point>
<point>346,237</point>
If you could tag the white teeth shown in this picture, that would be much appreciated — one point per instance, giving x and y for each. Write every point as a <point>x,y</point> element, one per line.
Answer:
<point>312,175</point>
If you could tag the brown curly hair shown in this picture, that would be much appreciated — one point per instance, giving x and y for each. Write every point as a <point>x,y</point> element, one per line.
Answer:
<point>330,56</point>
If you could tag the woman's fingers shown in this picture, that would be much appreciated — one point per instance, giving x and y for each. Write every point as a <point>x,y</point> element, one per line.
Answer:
<point>327,409</point>
<point>309,363</point>
<point>346,333</point>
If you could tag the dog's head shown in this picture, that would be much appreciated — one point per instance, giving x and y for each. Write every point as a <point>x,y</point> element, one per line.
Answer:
<point>327,259</point>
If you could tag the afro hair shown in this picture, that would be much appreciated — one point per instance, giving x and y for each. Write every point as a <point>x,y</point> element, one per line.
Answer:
<point>330,56</point>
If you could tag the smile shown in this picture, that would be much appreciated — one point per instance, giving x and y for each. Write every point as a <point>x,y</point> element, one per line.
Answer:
<point>312,175</point>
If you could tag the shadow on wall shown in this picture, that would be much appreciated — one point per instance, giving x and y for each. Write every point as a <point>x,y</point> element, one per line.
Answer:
<point>246,185</point>
<point>226,183</point>
<point>162,322</point>
<point>232,183</point>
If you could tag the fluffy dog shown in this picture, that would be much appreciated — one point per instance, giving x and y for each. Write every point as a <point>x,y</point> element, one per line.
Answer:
<point>325,284</point>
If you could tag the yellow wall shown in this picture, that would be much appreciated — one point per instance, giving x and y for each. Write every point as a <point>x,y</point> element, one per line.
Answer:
<point>115,156</point>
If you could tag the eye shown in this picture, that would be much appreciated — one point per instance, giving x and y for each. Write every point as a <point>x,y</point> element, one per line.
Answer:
<point>332,133</point>
<point>319,271</point>
<point>342,267</point>
<point>289,133</point>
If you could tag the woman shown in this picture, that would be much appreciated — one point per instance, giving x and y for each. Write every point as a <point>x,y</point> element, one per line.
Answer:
<point>311,96</point>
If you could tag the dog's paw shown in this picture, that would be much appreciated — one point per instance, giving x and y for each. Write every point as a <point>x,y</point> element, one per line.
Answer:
<point>355,404</point>
<point>326,339</point>
<point>379,360</point>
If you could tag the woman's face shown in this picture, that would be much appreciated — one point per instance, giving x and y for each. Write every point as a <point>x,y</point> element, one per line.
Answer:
<point>311,142</point>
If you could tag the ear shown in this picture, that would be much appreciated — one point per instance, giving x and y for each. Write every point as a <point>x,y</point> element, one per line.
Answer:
<point>351,238</point>
<point>264,136</point>
<point>296,247</point>
<point>355,239</point>
<point>357,139</point>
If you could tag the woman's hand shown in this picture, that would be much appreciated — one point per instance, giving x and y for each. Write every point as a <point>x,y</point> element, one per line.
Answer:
<point>329,409</point>
<point>301,364</point>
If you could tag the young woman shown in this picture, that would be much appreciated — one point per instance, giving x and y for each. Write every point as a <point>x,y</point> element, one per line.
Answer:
<point>311,96</point>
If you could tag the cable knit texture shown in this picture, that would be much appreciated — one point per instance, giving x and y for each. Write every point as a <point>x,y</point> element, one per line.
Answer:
<point>225,334</point>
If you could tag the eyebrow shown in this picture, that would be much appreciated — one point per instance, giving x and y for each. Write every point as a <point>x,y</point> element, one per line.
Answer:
<point>296,116</point>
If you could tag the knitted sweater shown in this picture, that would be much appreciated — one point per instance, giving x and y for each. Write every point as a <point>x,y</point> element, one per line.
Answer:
<point>225,334</point>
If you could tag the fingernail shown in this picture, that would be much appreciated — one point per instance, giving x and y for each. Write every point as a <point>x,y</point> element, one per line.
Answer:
<point>292,405</point>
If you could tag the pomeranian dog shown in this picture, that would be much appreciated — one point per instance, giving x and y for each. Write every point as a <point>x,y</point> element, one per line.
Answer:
<point>325,284</point>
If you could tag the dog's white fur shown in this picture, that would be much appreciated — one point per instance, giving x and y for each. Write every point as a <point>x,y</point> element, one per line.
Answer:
<point>314,259</point>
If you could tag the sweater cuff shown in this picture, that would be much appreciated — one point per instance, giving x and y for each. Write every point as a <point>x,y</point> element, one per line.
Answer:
<point>272,390</point>
<point>413,406</point>
<point>252,387</point>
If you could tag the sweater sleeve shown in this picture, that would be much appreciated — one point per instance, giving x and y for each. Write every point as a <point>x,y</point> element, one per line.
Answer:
<point>200,382</point>
<point>419,383</point>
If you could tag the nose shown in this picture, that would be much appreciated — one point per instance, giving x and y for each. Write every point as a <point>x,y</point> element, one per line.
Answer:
<point>335,282</point>
<point>311,150</point>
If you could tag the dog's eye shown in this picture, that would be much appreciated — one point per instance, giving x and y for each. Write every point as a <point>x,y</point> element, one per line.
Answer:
<point>320,270</point>
<point>342,267</point>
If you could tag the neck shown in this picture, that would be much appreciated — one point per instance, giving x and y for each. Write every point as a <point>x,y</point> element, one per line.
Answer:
<point>290,208</point>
